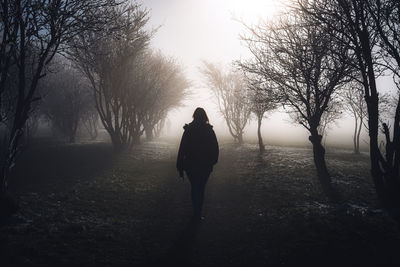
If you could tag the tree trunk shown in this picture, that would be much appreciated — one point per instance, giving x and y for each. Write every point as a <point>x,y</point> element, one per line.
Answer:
<point>358,137</point>
<point>240,138</point>
<point>116,142</point>
<point>372,102</point>
<point>72,135</point>
<point>136,139</point>
<point>319,159</point>
<point>8,205</point>
<point>260,140</point>
<point>4,178</point>
<point>93,133</point>
<point>71,139</point>
<point>149,134</point>
<point>356,151</point>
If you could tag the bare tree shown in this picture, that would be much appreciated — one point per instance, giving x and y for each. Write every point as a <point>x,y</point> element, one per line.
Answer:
<point>32,32</point>
<point>230,91</point>
<point>66,106</point>
<point>371,28</point>
<point>159,127</point>
<point>90,121</point>
<point>8,106</point>
<point>308,66</point>
<point>329,119</point>
<point>262,100</point>
<point>386,16</point>
<point>31,126</point>
<point>354,101</point>
<point>164,85</point>
<point>108,59</point>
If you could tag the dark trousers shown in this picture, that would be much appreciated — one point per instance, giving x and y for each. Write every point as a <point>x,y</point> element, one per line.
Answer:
<point>198,180</point>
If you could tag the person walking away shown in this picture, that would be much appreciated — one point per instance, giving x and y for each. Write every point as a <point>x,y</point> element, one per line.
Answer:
<point>198,153</point>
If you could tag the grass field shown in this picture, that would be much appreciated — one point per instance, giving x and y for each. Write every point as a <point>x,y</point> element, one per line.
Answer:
<point>83,206</point>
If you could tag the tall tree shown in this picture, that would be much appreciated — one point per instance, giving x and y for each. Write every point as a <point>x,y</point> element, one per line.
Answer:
<point>32,32</point>
<point>262,100</point>
<point>371,28</point>
<point>90,121</point>
<point>354,101</point>
<point>308,66</point>
<point>67,106</point>
<point>164,84</point>
<point>230,91</point>
<point>108,59</point>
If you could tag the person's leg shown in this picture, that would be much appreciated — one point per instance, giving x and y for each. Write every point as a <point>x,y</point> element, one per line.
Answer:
<point>195,182</point>
<point>198,183</point>
<point>202,186</point>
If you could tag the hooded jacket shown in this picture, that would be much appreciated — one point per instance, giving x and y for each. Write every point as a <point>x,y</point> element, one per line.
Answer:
<point>198,150</point>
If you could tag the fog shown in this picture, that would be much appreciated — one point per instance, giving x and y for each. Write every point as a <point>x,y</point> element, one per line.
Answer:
<point>98,168</point>
<point>192,31</point>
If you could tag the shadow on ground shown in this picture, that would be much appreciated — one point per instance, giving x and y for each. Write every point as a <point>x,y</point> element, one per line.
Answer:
<point>89,208</point>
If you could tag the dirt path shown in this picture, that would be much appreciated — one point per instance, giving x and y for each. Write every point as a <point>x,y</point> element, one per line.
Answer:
<point>220,239</point>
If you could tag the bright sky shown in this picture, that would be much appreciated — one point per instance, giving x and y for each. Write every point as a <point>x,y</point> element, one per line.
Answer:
<point>195,30</point>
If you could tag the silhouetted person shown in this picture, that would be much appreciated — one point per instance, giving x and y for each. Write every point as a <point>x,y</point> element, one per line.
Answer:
<point>198,153</point>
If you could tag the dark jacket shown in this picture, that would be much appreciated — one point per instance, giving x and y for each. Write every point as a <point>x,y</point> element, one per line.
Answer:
<point>198,150</point>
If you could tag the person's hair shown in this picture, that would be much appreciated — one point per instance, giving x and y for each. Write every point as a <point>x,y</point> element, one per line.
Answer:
<point>200,115</point>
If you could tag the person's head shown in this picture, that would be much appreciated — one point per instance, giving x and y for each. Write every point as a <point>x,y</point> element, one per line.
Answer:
<point>200,116</point>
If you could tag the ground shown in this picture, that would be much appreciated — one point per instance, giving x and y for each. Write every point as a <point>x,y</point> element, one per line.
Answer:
<point>83,206</point>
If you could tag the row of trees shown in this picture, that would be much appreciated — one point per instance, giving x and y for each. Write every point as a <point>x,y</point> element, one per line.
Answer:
<point>155,86</point>
<point>133,87</point>
<point>239,94</point>
<point>106,72</point>
<point>32,32</point>
<point>318,59</point>
<point>322,50</point>
<point>67,103</point>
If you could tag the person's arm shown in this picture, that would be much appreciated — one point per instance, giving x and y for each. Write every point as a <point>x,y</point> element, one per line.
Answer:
<point>181,154</point>
<point>215,148</point>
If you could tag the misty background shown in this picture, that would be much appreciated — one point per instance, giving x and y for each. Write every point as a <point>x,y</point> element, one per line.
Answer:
<point>192,31</point>
<point>94,95</point>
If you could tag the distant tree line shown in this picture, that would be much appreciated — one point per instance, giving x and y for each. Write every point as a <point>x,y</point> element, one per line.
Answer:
<point>238,95</point>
